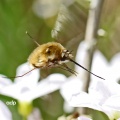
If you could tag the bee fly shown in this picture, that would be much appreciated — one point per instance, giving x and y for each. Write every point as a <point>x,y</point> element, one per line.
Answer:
<point>52,54</point>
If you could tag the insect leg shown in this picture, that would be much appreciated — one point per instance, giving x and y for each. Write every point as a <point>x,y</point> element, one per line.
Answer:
<point>69,68</point>
<point>22,75</point>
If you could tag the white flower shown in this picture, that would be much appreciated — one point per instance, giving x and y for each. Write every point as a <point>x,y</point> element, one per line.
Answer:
<point>100,65</point>
<point>27,88</point>
<point>109,70</point>
<point>5,113</point>
<point>103,96</point>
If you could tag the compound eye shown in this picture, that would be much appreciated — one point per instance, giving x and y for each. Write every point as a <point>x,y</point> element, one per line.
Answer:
<point>66,54</point>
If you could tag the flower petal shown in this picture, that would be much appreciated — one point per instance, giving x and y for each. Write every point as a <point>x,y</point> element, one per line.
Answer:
<point>100,66</point>
<point>115,68</point>
<point>83,99</point>
<point>72,86</point>
<point>30,79</point>
<point>71,92</point>
<point>52,83</point>
<point>104,89</point>
<point>5,113</point>
<point>12,90</point>
<point>4,81</point>
<point>84,118</point>
<point>113,103</point>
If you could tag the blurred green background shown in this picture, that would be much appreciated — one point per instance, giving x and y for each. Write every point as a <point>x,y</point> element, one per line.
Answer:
<point>19,16</point>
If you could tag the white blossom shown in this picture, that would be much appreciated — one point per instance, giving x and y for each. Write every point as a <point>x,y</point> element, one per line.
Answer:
<point>27,88</point>
<point>100,65</point>
<point>5,113</point>
<point>103,95</point>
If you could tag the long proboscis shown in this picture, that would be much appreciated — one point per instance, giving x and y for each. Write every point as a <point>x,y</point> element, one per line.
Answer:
<point>86,69</point>
<point>21,75</point>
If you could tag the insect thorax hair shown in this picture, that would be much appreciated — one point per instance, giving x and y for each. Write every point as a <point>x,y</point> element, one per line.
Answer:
<point>49,54</point>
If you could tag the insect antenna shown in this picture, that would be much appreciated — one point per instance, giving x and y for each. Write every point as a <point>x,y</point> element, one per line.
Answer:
<point>85,69</point>
<point>32,38</point>
<point>21,75</point>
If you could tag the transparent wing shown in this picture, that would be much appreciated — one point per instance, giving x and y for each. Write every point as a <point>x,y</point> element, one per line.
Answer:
<point>70,22</point>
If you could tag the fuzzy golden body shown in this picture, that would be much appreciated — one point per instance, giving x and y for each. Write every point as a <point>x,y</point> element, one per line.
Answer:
<point>50,54</point>
<point>53,54</point>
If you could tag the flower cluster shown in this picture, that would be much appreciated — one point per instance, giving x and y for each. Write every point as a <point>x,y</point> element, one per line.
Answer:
<point>26,89</point>
<point>103,95</point>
